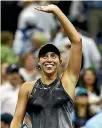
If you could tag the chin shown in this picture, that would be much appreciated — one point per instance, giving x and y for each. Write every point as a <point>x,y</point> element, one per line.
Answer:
<point>50,72</point>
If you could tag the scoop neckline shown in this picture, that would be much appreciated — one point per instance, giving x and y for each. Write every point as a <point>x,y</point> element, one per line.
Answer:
<point>51,84</point>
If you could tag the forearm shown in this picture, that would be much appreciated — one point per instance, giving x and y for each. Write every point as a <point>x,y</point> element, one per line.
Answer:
<point>70,30</point>
<point>15,124</point>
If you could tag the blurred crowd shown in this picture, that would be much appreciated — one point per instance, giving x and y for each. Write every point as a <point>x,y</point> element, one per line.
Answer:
<point>19,62</point>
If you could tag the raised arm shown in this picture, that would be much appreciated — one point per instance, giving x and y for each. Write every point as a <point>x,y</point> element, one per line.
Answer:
<point>70,76</point>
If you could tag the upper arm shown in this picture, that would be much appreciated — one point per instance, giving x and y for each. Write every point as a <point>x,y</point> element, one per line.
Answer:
<point>21,106</point>
<point>71,74</point>
<point>75,59</point>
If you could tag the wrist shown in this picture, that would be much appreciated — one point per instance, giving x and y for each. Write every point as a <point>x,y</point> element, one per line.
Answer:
<point>55,9</point>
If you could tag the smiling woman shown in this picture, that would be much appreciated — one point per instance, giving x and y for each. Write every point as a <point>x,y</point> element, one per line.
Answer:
<point>49,59</point>
<point>90,82</point>
<point>49,63</point>
<point>48,100</point>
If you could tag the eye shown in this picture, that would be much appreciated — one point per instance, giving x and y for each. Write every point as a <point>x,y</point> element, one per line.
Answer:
<point>53,55</point>
<point>44,56</point>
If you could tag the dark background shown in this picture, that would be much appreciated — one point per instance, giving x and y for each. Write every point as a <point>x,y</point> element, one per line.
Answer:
<point>10,11</point>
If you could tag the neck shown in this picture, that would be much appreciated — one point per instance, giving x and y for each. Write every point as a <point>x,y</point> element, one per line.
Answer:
<point>89,88</point>
<point>82,110</point>
<point>15,85</point>
<point>47,79</point>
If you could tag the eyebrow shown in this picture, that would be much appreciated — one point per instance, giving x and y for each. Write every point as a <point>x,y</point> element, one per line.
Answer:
<point>50,53</point>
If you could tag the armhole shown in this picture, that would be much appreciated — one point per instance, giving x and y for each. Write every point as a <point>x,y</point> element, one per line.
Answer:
<point>70,99</point>
<point>30,93</point>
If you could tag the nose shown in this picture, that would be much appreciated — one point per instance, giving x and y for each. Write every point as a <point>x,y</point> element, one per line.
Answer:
<point>49,59</point>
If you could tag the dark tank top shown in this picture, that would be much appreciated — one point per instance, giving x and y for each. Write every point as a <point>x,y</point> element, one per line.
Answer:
<point>50,106</point>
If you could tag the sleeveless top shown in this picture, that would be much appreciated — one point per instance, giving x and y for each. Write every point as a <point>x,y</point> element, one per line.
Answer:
<point>49,106</point>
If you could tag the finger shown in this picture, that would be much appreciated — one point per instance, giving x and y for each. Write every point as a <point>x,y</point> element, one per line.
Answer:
<point>38,8</point>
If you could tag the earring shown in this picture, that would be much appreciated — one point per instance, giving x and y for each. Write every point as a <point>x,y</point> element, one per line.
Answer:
<point>39,66</point>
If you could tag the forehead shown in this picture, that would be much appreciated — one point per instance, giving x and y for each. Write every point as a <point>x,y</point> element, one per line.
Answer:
<point>13,73</point>
<point>49,53</point>
<point>89,72</point>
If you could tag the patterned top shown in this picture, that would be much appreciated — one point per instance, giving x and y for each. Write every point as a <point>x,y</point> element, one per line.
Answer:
<point>50,106</point>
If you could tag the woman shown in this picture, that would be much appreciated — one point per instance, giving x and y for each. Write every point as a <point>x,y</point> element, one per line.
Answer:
<point>80,114</point>
<point>49,99</point>
<point>29,71</point>
<point>89,81</point>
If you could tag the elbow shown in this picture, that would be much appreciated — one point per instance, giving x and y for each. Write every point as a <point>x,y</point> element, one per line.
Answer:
<point>79,40</point>
<point>78,44</point>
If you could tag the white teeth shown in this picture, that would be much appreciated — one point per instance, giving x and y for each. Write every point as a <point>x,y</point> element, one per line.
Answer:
<point>49,66</point>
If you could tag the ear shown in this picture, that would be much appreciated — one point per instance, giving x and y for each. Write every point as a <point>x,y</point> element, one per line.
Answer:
<point>38,63</point>
<point>60,61</point>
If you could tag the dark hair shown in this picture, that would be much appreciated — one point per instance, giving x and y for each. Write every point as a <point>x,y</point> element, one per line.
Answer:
<point>48,48</point>
<point>95,84</point>
<point>22,78</point>
<point>6,117</point>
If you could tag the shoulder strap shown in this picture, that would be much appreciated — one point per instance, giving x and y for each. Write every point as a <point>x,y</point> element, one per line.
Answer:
<point>36,84</point>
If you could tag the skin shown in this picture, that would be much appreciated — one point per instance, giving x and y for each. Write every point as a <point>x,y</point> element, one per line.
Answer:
<point>4,124</point>
<point>81,106</point>
<point>3,72</point>
<point>89,78</point>
<point>70,75</point>
<point>14,79</point>
<point>29,62</point>
<point>49,58</point>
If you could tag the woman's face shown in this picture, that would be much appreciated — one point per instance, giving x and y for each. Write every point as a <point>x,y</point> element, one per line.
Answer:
<point>81,100</point>
<point>14,78</point>
<point>49,63</point>
<point>29,62</point>
<point>89,77</point>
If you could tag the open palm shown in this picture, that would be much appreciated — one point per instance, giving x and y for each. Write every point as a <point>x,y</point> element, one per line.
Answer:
<point>48,8</point>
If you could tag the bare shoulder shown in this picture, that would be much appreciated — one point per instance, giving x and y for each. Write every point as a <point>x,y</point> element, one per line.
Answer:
<point>27,87</point>
<point>31,86</point>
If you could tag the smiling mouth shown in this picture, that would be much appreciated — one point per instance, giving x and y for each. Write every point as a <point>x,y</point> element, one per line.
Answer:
<point>49,65</point>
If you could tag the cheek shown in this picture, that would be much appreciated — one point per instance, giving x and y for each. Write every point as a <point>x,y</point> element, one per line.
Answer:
<point>57,61</point>
<point>15,78</point>
<point>41,63</point>
<point>79,99</point>
<point>92,77</point>
<point>89,78</point>
<point>9,77</point>
<point>58,65</point>
<point>29,61</point>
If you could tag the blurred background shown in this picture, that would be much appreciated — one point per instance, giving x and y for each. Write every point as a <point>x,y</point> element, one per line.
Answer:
<point>24,30</point>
